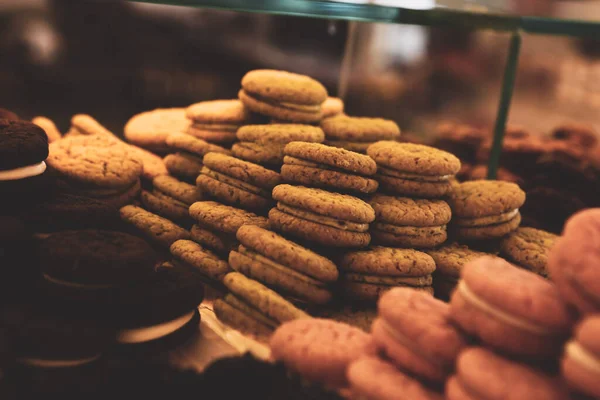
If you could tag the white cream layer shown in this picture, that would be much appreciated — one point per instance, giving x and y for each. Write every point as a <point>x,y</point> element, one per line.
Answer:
<point>148,333</point>
<point>23,172</point>
<point>583,357</point>
<point>516,322</point>
<point>39,362</point>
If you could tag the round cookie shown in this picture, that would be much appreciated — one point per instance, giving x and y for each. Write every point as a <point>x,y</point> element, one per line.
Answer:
<point>332,106</point>
<point>510,309</point>
<point>217,121</point>
<point>315,164</point>
<point>330,219</point>
<point>529,247</point>
<point>320,350</point>
<point>49,127</point>
<point>415,332</point>
<point>191,145</point>
<point>150,129</point>
<point>183,166</point>
<point>155,228</point>
<point>204,261</point>
<point>580,363</point>
<point>171,198</point>
<point>166,206</point>
<point>373,378</point>
<point>359,129</point>
<point>220,243</point>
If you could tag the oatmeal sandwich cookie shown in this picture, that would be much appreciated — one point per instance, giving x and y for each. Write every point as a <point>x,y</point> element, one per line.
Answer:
<point>150,129</point>
<point>318,165</point>
<point>263,144</point>
<point>205,262</point>
<point>358,133</point>
<point>321,217</point>
<point>528,248</point>
<point>406,222</point>
<point>283,265</point>
<point>171,198</point>
<point>413,169</point>
<point>485,209</point>
<point>367,274</point>
<point>155,228</point>
<point>283,95</point>
<point>237,182</point>
<point>217,121</point>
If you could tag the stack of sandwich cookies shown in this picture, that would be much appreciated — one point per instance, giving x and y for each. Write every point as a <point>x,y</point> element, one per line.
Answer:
<point>264,144</point>
<point>358,133</point>
<point>485,209</point>
<point>318,165</point>
<point>154,228</point>
<point>406,222</point>
<point>150,129</point>
<point>217,121</point>
<point>283,265</point>
<point>580,364</point>
<point>321,217</point>
<point>237,182</point>
<point>254,308</point>
<point>449,261</point>
<point>186,162</point>
<point>412,169</point>
<point>49,127</point>
<point>201,260</point>
<point>367,274</point>
<point>282,95</point>
<point>216,225</point>
<point>171,199</point>
<point>332,106</point>
<point>528,248</point>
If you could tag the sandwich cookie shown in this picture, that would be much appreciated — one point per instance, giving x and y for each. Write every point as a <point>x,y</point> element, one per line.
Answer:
<point>374,379</point>
<point>415,332</point>
<point>208,264</point>
<point>183,166</point>
<point>150,129</point>
<point>510,309</point>
<point>49,127</point>
<point>155,228</point>
<point>482,374</point>
<point>485,209</point>
<point>580,363</point>
<point>321,217</point>
<point>332,106</point>
<point>254,308</point>
<point>318,165</point>
<point>283,265</point>
<point>528,248</point>
<point>263,144</point>
<point>217,121</point>
<point>237,182</point>
<point>23,151</point>
<point>320,350</point>
<point>171,199</point>
<point>283,95</point>
<point>367,274</point>
<point>216,225</point>
<point>406,222</point>
<point>573,262</point>
<point>449,261</point>
<point>357,133</point>
<point>413,169</point>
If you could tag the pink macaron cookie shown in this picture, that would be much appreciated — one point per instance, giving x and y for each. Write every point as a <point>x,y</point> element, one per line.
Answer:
<point>510,309</point>
<point>581,360</point>
<point>320,350</point>
<point>484,375</point>
<point>574,261</point>
<point>415,332</point>
<point>374,379</point>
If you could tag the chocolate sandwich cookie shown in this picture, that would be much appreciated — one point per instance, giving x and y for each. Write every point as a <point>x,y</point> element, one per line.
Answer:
<point>283,95</point>
<point>237,182</point>
<point>318,165</point>
<point>405,222</point>
<point>205,262</point>
<point>449,261</point>
<point>321,217</point>
<point>357,133</point>
<point>217,121</point>
<point>528,248</point>
<point>367,274</point>
<point>217,224</point>
<point>150,129</point>
<point>485,209</point>
<point>283,265</point>
<point>332,106</point>
<point>155,228</point>
<point>263,144</point>
<point>23,151</point>
<point>413,169</point>
<point>49,127</point>
<point>252,307</point>
<point>171,198</point>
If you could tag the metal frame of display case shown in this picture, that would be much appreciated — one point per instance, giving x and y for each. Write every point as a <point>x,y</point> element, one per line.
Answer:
<point>465,14</point>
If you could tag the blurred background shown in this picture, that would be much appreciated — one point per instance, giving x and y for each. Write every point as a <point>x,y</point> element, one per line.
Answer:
<point>112,59</point>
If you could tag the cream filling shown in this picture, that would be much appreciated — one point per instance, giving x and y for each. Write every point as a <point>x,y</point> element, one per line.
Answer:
<point>77,285</point>
<point>487,221</point>
<point>516,322</point>
<point>323,220</point>
<point>583,357</point>
<point>146,334</point>
<point>215,127</point>
<point>40,362</point>
<point>412,176</point>
<point>23,172</point>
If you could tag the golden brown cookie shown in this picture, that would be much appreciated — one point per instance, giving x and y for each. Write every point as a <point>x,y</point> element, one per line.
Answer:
<point>217,121</point>
<point>202,260</point>
<point>154,227</point>
<point>150,129</point>
<point>182,142</point>
<point>183,166</point>
<point>359,129</point>
<point>529,247</point>
<point>332,106</point>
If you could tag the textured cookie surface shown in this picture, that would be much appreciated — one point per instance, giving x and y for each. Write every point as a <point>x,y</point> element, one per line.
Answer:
<point>529,248</point>
<point>414,188</point>
<point>184,166</point>
<point>387,261</point>
<point>284,86</point>
<point>151,128</point>
<point>224,218</point>
<point>333,157</point>
<point>414,158</point>
<point>489,231</point>
<point>223,111</point>
<point>154,227</point>
<point>280,133</point>
<point>449,259</point>
<point>247,172</point>
<point>360,129</point>
<point>204,260</point>
<point>191,144</point>
<point>404,211</point>
<point>22,144</point>
<point>181,191</point>
<point>325,178</point>
<point>482,198</point>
